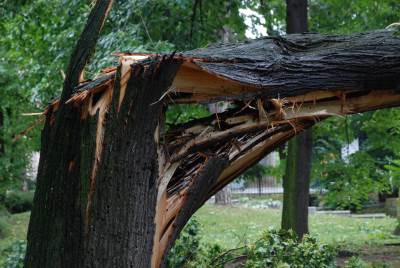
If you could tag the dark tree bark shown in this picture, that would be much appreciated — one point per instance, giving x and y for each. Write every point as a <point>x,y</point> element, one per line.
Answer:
<point>296,182</point>
<point>296,16</point>
<point>122,200</point>
<point>56,227</point>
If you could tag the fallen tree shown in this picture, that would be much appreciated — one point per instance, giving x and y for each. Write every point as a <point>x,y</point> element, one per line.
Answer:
<point>116,186</point>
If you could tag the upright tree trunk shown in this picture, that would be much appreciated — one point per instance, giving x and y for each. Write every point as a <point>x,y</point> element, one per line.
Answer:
<point>296,181</point>
<point>224,196</point>
<point>296,184</point>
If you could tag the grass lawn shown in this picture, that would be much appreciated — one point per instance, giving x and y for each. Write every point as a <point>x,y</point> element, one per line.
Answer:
<point>372,239</point>
<point>234,226</point>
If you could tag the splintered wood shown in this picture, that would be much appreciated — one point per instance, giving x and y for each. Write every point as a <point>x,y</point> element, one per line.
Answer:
<point>276,87</point>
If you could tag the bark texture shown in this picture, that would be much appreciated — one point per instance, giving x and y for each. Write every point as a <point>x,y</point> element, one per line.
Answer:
<point>121,214</point>
<point>296,184</point>
<point>55,234</point>
<point>299,63</point>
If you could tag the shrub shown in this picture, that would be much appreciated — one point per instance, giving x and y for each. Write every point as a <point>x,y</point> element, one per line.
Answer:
<point>186,247</point>
<point>276,249</point>
<point>280,249</point>
<point>15,255</point>
<point>17,202</point>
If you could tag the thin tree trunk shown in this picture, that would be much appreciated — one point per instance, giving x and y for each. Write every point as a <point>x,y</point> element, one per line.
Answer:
<point>223,197</point>
<point>296,181</point>
<point>296,184</point>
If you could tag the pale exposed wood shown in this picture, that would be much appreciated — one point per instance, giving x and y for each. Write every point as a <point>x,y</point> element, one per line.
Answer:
<point>192,79</point>
<point>100,108</point>
<point>125,75</point>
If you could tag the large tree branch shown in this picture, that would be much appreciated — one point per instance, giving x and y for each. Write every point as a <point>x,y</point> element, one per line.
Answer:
<point>290,65</point>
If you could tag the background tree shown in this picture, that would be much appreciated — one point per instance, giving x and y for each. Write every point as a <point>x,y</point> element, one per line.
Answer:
<point>296,181</point>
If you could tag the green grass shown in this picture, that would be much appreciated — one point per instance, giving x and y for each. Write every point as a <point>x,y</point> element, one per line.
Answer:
<point>234,226</point>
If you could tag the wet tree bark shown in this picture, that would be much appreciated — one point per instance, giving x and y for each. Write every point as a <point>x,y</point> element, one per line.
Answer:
<point>120,213</point>
<point>56,228</point>
<point>296,181</point>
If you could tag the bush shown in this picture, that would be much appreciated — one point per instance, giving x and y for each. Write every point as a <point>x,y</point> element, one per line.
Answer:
<point>186,247</point>
<point>17,202</point>
<point>279,249</point>
<point>276,249</point>
<point>15,255</point>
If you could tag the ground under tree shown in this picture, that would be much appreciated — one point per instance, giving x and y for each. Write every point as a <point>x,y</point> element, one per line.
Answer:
<point>116,185</point>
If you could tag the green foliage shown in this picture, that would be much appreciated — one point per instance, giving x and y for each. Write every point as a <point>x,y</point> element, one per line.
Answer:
<point>284,249</point>
<point>186,247</point>
<point>274,249</point>
<point>394,172</point>
<point>37,38</point>
<point>182,113</point>
<point>255,172</point>
<point>16,255</point>
<point>355,262</point>
<point>258,171</point>
<point>17,202</point>
<point>341,16</point>
<point>349,185</point>
<point>188,251</point>
<point>165,26</point>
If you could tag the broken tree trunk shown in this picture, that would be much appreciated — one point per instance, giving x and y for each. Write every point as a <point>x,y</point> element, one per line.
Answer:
<point>118,186</point>
<point>55,233</point>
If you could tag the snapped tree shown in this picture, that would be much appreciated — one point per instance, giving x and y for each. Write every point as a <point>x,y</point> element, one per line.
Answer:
<point>116,184</point>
